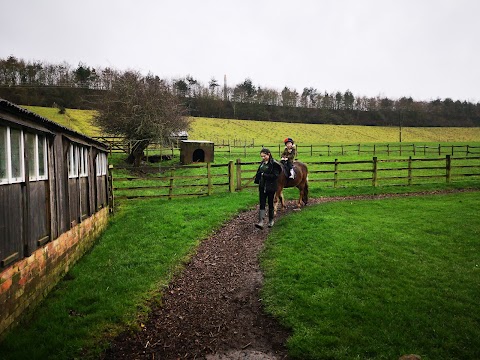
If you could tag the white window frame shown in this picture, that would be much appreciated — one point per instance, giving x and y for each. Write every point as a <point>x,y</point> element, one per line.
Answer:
<point>83,161</point>
<point>35,157</point>
<point>72,161</point>
<point>33,176</point>
<point>45,159</point>
<point>105,161</point>
<point>4,152</point>
<point>10,179</point>
<point>101,164</point>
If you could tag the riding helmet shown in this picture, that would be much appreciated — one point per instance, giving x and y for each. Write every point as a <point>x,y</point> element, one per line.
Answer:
<point>288,140</point>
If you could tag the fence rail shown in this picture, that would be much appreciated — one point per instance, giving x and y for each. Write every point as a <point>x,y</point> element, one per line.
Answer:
<point>175,183</point>
<point>204,179</point>
<point>341,173</point>
<point>243,148</point>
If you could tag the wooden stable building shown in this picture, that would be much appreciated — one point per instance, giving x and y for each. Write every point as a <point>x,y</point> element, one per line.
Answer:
<point>53,196</point>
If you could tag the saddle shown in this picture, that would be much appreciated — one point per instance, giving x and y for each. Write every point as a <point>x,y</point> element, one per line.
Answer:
<point>283,165</point>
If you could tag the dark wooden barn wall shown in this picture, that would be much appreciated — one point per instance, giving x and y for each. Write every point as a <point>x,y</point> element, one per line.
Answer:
<point>38,215</point>
<point>11,223</point>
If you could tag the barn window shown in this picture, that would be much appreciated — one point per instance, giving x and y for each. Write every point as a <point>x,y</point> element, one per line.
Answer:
<point>11,158</point>
<point>37,159</point>
<point>3,155</point>
<point>16,155</point>
<point>83,151</point>
<point>101,164</point>
<point>77,161</point>
<point>72,161</point>
<point>42,157</point>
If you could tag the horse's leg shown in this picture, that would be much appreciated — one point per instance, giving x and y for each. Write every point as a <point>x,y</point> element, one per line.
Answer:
<point>283,200</point>
<point>299,204</point>
<point>275,203</point>
<point>301,191</point>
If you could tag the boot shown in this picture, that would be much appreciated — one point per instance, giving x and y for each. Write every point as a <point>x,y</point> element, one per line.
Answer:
<point>271,215</point>
<point>261,215</point>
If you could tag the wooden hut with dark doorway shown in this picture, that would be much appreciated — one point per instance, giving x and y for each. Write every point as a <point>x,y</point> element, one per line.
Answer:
<point>193,151</point>
<point>53,203</point>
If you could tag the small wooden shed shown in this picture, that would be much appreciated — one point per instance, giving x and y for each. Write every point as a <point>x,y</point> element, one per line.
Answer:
<point>192,151</point>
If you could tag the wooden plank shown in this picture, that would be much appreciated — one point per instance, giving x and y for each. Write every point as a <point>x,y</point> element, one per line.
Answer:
<point>11,221</point>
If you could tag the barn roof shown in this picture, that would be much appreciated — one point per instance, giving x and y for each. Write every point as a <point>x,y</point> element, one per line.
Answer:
<point>49,124</point>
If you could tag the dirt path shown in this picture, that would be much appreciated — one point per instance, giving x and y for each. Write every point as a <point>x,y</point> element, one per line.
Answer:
<point>213,309</point>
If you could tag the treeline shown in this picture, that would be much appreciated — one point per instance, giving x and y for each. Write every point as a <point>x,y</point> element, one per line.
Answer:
<point>44,84</point>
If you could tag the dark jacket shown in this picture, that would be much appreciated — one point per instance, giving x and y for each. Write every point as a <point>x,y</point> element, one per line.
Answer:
<point>267,175</point>
<point>291,155</point>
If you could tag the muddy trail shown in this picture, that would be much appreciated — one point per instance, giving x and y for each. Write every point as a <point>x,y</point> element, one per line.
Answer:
<point>213,308</point>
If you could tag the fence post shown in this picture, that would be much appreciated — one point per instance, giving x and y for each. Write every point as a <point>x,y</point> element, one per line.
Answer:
<point>328,146</point>
<point>448,169</point>
<point>374,150</point>
<point>409,170</point>
<point>400,149</point>
<point>468,151</point>
<point>439,149</point>
<point>231,180</point>
<point>245,150</point>
<point>375,173</point>
<point>239,174</point>
<point>335,174</point>
<point>170,188</point>
<point>311,150</point>
<point>209,177</point>
<point>342,149</point>
<point>388,149</point>
<point>358,149</point>
<point>111,198</point>
<point>414,151</point>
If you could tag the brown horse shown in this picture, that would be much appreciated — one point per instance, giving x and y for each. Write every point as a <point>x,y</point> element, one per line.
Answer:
<point>300,182</point>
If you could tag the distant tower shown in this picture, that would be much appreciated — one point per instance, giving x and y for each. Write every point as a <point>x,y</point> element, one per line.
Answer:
<point>225,97</point>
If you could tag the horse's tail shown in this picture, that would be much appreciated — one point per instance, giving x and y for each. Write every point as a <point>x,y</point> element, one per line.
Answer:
<point>305,192</point>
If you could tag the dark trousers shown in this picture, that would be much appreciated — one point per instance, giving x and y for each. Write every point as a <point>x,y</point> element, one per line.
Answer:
<point>263,201</point>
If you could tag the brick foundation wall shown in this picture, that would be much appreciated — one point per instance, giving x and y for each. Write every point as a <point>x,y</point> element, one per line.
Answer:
<point>25,283</point>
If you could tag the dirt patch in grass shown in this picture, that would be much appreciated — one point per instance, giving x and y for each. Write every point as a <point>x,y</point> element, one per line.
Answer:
<point>213,309</point>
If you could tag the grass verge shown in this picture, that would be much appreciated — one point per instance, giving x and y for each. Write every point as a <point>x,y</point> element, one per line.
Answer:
<point>378,279</point>
<point>145,244</point>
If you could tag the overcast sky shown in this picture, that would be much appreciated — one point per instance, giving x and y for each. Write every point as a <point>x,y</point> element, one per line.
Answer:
<point>426,49</point>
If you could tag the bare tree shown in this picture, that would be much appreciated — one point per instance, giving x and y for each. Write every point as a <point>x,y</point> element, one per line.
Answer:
<point>142,110</point>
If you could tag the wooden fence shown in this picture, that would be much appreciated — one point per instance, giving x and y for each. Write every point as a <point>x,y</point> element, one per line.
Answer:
<point>377,171</point>
<point>242,148</point>
<point>399,149</point>
<point>205,179</point>
<point>176,181</point>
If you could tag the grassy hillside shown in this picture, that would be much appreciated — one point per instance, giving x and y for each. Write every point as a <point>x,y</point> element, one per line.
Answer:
<point>274,132</point>
<point>263,132</point>
<point>78,120</point>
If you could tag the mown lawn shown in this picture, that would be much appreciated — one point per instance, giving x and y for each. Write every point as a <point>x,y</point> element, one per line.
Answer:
<point>378,279</point>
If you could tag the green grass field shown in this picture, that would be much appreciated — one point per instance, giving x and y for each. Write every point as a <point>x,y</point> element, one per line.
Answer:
<point>378,279</point>
<point>263,132</point>
<point>370,279</point>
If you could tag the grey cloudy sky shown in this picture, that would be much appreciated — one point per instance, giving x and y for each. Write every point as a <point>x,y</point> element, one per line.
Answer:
<point>425,49</point>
